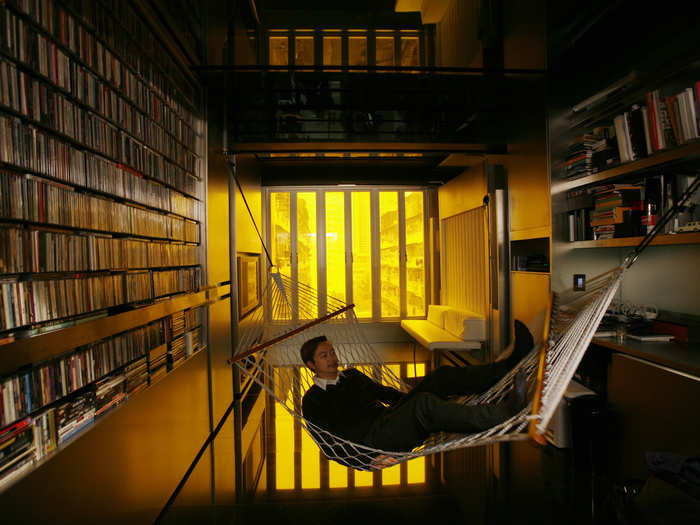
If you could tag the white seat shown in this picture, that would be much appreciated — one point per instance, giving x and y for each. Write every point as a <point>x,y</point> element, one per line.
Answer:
<point>433,337</point>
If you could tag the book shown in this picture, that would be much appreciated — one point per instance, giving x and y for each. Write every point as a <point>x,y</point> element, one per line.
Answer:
<point>638,142</point>
<point>651,337</point>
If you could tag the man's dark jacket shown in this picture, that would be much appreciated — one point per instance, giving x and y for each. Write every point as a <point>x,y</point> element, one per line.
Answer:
<point>348,408</point>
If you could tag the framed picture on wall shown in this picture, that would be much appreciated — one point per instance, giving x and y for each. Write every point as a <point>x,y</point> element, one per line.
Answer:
<point>248,283</point>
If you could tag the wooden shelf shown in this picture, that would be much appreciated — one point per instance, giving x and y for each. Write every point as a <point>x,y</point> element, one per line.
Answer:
<point>48,345</point>
<point>661,240</point>
<point>686,151</point>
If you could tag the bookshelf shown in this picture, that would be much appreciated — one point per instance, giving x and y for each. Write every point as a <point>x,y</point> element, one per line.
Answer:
<point>591,89</point>
<point>660,240</point>
<point>100,219</point>
<point>657,160</point>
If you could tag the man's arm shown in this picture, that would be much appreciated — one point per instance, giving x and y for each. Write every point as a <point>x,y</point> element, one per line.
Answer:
<point>383,393</point>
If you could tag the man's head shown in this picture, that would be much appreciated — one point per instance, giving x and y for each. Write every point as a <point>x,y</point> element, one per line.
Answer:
<point>318,354</point>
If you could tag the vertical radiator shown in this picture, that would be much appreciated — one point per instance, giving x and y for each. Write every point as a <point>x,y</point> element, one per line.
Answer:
<point>465,261</point>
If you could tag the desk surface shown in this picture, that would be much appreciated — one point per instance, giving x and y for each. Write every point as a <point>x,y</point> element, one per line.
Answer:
<point>684,357</point>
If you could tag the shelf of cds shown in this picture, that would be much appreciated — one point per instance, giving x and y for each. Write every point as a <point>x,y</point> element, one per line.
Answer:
<point>44,408</point>
<point>99,164</point>
<point>100,218</point>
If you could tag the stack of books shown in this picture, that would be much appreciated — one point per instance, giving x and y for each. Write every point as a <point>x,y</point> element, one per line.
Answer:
<point>177,324</point>
<point>617,211</point>
<point>176,352</point>
<point>157,362</point>
<point>605,152</point>
<point>579,156</point>
<point>75,415</point>
<point>45,437</point>
<point>16,450</point>
<point>136,375</point>
<point>109,392</point>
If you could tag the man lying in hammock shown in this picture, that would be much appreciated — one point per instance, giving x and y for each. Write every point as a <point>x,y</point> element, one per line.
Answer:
<point>350,405</point>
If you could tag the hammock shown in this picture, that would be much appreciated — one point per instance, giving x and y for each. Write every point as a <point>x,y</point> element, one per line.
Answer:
<point>292,313</point>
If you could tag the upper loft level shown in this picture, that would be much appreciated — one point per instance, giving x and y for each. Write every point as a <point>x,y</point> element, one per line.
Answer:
<point>373,72</point>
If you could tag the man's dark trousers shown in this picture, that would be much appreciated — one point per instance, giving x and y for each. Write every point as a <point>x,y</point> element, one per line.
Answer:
<point>426,410</point>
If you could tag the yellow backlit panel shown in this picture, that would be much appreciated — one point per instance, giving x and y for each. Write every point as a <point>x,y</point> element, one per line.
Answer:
<point>279,50</point>
<point>335,244</point>
<point>409,51</point>
<point>280,226</point>
<point>389,253</point>
<point>361,254</point>
<point>310,453</point>
<point>396,369</point>
<point>415,254</point>
<point>332,51</point>
<point>415,370</point>
<point>385,50</point>
<point>306,235</point>
<point>337,475</point>
<point>391,475</point>
<point>284,449</point>
<point>304,50</point>
<point>281,244</point>
<point>310,463</point>
<point>415,470</point>
<point>363,478</point>
<point>357,51</point>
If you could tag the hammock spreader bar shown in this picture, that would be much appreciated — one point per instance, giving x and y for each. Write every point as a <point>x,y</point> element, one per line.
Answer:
<point>291,333</point>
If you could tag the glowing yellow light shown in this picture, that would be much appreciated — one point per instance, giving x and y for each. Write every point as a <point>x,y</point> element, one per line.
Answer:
<point>310,455</point>
<point>361,254</point>
<point>335,244</point>
<point>337,475</point>
<point>306,238</point>
<point>415,370</point>
<point>391,475</point>
<point>415,470</point>
<point>389,250</point>
<point>281,242</point>
<point>415,254</point>
<point>284,448</point>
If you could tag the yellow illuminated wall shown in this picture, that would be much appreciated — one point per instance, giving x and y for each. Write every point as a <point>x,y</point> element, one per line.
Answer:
<point>335,244</point>
<point>306,239</point>
<point>361,254</point>
<point>389,249</point>
<point>415,254</point>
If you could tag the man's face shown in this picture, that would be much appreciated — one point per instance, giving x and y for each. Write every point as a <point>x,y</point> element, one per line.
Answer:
<point>325,361</point>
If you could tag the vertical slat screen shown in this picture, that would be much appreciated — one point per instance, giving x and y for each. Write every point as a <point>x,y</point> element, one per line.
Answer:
<point>464,280</point>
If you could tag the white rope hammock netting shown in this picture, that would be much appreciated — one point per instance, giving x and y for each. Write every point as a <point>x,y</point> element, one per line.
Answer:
<point>291,313</point>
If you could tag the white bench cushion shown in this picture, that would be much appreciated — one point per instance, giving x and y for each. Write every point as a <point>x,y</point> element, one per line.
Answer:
<point>432,337</point>
<point>465,324</point>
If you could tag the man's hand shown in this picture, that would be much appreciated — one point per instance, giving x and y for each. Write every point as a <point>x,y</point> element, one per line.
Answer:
<point>383,461</point>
